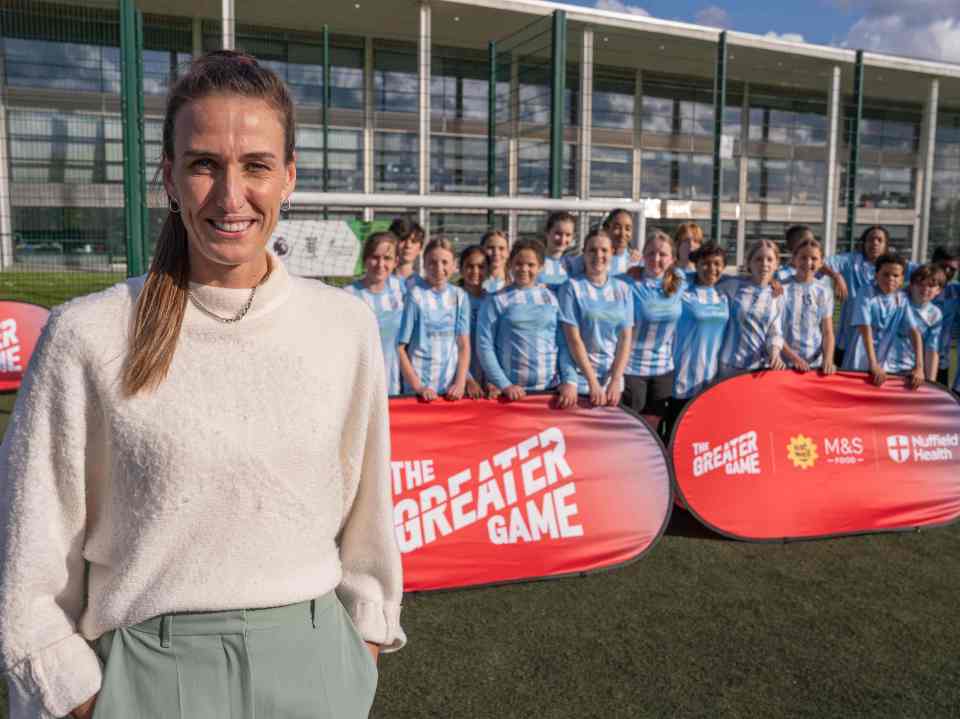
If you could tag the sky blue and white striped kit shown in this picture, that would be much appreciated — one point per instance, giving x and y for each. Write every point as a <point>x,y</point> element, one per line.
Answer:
<point>519,339</point>
<point>756,324</point>
<point>476,369</point>
<point>700,333</point>
<point>929,320</point>
<point>806,305</point>
<point>655,316</point>
<point>432,322</point>
<point>949,303</point>
<point>600,314</point>
<point>554,272</point>
<point>884,314</point>
<point>859,274</point>
<point>494,284</point>
<point>387,305</point>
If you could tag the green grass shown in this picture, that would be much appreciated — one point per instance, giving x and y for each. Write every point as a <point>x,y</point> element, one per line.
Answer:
<point>701,627</point>
<point>53,288</point>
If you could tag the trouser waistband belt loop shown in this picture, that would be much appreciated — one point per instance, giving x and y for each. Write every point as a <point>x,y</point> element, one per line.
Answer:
<point>165,621</point>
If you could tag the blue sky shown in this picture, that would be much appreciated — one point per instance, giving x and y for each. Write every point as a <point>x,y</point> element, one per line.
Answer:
<point>917,28</point>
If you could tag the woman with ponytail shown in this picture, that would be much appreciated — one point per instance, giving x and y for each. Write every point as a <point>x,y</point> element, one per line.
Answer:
<point>195,483</point>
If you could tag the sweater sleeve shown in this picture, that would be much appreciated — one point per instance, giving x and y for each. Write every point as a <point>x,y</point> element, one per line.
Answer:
<point>50,667</point>
<point>372,583</point>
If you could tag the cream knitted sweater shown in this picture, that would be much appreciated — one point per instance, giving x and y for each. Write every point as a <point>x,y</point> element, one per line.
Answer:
<point>256,475</point>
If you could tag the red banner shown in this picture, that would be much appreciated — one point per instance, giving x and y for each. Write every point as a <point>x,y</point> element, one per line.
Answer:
<point>778,455</point>
<point>20,327</point>
<point>487,492</point>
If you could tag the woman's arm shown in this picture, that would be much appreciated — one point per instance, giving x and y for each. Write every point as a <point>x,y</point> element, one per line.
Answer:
<point>372,583</point>
<point>578,352</point>
<point>49,456</point>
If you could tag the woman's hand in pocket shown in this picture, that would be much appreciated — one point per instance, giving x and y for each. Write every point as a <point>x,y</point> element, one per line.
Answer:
<point>85,710</point>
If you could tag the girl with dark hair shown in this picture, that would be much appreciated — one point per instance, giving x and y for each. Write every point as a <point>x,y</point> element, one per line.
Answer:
<point>949,303</point>
<point>519,335</point>
<point>410,239</point>
<point>558,236</point>
<point>701,329</point>
<point>473,272</point>
<point>881,314</point>
<point>618,224</point>
<point>687,238</point>
<point>196,491</point>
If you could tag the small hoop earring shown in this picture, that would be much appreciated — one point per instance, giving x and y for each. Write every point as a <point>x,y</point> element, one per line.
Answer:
<point>286,204</point>
<point>174,206</point>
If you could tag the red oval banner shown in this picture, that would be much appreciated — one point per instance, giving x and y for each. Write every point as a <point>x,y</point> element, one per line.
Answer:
<point>782,455</point>
<point>20,327</point>
<point>487,492</point>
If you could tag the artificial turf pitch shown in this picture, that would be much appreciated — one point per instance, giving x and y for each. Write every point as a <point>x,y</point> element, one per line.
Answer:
<point>700,627</point>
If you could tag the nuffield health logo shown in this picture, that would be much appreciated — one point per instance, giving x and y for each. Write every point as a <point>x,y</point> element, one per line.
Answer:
<point>898,446</point>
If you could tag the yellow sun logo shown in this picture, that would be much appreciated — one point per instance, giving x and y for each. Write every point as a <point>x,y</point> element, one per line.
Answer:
<point>802,451</point>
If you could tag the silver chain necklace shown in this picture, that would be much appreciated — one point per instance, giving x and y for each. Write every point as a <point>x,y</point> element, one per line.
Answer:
<point>241,313</point>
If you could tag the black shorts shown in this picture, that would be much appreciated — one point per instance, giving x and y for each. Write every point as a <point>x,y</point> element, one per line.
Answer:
<point>648,395</point>
<point>943,376</point>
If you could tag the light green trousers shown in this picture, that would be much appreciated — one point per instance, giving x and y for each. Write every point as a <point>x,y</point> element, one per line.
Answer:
<point>298,661</point>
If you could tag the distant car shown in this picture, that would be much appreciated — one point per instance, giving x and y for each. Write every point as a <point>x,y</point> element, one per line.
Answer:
<point>40,247</point>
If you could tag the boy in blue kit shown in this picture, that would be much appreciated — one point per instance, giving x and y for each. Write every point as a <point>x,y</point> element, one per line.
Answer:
<point>882,312</point>
<point>949,303</point>
<point>925,284</point>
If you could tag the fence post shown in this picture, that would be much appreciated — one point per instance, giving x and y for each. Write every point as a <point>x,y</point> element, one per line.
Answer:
<point>557,92</point>
<point>719,105</point>
<point>853,166</point>
<point>131,83</point>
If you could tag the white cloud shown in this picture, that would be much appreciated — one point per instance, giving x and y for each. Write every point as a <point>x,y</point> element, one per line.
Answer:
<point>713,16</point>
<point>928,29</point>
<point>620,6</point>
<point>786,36</point>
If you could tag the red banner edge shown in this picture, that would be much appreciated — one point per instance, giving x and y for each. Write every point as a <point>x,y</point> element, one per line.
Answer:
<point>675,488</point>
<point>671,488</point>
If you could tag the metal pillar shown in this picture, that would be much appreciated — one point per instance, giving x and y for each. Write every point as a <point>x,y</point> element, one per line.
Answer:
<point>585,138</point>
<point>423,75</point>
<point>6,212</point>
<point>830,184</point>
<point>513,158</point>
<point>637,137</point>
<point>928,155</point>
<point>491,127</point>
<point>557,91</point>
<point>229,21</point>
<point>743,176</point>
<point>325,114</point>
<point>197,37</point>
<point>134,183</point>
<point>368,124</point>
<point>853,166</point>
<point>719,103</point>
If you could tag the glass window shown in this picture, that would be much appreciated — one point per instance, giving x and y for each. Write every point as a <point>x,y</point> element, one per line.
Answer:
<point>464,228</point>
<point>611,171</point>
<point>613,104</point>
<point>345,159</point>
<point>796,182</point>
<point>68,230</point>
<point>685,176</point>
<point>395,81</point>
<point>533,171</point>
<point>882,186</point>
<point>459,164</point>
<point>945,203</point>
<point>62,65</point>
<point>396,161</point>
